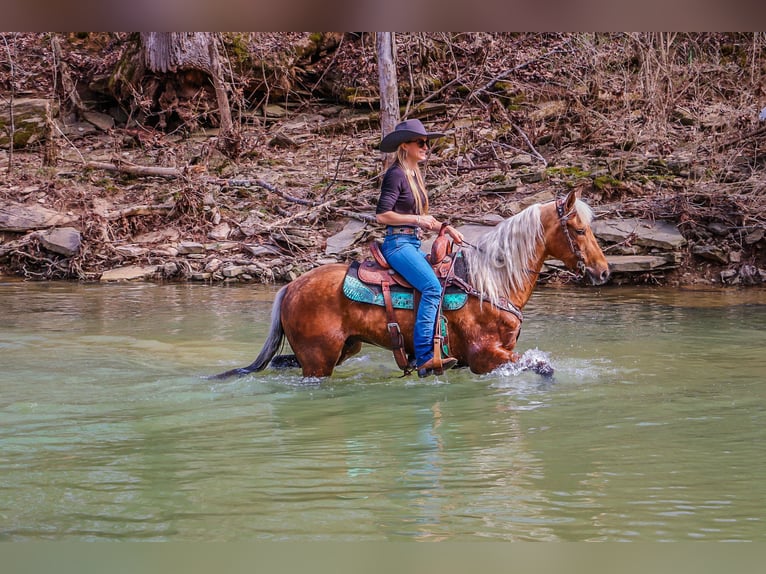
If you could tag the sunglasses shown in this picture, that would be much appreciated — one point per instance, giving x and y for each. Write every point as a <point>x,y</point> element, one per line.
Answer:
<point>421,143</point>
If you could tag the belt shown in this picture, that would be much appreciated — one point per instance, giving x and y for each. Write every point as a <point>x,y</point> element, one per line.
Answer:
<point>401,230</point>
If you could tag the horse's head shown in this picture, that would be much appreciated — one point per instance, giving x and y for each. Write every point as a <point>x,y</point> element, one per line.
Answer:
<point>569,237</point>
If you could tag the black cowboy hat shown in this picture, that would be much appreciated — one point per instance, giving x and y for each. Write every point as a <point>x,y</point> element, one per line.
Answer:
<point>405,132</point>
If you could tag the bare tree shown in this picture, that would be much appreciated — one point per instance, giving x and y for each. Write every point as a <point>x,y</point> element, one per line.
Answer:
<point>389,90</point>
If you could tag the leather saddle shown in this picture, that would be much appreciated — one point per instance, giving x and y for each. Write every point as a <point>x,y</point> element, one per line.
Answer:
<point>377,275</point>
<point>377,271</point>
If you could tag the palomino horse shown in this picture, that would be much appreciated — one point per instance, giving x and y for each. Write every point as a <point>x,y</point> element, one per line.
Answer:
<point>324,327</point>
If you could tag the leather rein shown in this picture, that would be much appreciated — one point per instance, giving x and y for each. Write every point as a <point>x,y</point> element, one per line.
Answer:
<point>563,218</point>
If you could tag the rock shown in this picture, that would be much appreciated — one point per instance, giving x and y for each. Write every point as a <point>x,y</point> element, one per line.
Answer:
<point>190,247</point>
<point>348,237</point>
<point>643,232</point>
<point>532,176</point>
<point>233,271</point>
<point>65,241</point>
<point>523,203</point>
<point>169,234</point>
<point>274,111</point>
<point>220,232</point>
<point>711,253</point>
<point>213,265</point>
<point>283,141</point>
<point>626,263</point>
<point>103,122</point>
<point>130,250</point>
<point>169,269</point>
<point>728,275</point>
<point>261,250</point>
<point>751,275</point>
<point>129,273</point>
<point>521,160</point>
<point>17,217</point>
<point>718,228</point>
<point>252,224</point>
<point>502,187</point>
<point>29,119</point>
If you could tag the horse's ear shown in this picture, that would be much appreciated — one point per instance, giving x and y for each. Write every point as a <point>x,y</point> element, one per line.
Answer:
<point>573,196</point>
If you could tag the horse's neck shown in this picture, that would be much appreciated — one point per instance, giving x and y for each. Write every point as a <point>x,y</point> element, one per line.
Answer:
<point>520,296</point>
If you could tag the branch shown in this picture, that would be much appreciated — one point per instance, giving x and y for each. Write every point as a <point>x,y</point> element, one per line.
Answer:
<point>139,210</point>
<point>529,143</point>
<point>166,172</point>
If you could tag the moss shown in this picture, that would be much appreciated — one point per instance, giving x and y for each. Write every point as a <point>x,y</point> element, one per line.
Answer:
<point>603,181</point>
<point>238,49</point>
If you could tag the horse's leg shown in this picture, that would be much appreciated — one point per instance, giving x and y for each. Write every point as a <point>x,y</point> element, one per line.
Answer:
<point>314,322</point>
<point>350,348</point>
<point>484,337</point>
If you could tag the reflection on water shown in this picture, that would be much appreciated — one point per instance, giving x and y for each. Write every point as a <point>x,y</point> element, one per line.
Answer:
<point>650,429</point>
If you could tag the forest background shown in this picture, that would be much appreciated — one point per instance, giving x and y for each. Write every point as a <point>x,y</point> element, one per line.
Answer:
<point>241,157</point>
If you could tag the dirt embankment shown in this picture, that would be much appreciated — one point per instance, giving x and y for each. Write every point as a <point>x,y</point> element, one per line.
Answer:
<point>658,128</point>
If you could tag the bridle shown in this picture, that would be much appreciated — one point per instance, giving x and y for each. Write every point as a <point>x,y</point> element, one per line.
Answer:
<point>563,218</point>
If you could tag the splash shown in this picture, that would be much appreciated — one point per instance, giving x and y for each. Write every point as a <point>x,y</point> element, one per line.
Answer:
<point>533,360</point>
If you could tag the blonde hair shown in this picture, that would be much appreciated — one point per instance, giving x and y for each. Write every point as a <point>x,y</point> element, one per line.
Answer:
<point>415,179</point>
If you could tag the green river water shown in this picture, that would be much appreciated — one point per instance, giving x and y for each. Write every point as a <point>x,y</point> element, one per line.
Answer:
<point>652,428</point>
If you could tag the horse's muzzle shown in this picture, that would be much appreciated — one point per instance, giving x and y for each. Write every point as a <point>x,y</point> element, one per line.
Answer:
<point>597,276</point>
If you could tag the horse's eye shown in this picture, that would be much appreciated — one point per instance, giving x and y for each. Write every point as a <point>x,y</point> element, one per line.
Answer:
<point>580,231</point>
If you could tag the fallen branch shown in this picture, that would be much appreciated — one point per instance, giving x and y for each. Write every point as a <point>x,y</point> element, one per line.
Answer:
<point>139,210</point>
<point>132,169</point>
<point>267,186</point>
<point>751,134</point>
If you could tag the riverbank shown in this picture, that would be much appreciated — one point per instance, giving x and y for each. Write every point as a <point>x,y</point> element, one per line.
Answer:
<point>105,200</point>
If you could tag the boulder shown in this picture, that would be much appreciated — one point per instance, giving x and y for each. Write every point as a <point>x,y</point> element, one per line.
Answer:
<point>348,237</point>
<point>659,234</point>
<point>17,217</point>
<point>65,241</point>
<point>129,273</point>
<point>626,263</point>
<point>30,116</point>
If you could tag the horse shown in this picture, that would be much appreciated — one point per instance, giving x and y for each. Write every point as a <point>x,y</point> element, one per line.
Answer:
<point>324,327</point>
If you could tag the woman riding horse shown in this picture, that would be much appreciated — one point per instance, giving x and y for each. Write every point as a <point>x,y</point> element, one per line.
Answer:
<point>403,209</point>
<point>324,327</point>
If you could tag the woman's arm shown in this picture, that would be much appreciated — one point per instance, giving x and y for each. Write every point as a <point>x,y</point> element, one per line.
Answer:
<point>428,222</point>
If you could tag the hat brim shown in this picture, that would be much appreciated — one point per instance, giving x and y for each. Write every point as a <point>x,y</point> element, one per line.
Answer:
<point>395,138</point>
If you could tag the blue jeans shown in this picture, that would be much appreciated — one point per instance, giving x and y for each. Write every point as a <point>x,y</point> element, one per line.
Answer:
<point>404,255</point>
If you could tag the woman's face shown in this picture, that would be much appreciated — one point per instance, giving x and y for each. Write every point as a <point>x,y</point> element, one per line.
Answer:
<point>418,149</point>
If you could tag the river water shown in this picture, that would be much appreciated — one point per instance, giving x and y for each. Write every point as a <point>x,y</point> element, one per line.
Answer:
<point>652,428</point>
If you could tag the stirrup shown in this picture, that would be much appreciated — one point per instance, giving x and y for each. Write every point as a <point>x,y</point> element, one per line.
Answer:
<point>427,368</point>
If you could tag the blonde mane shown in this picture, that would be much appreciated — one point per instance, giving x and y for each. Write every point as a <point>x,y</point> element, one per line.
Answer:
<point>499,265</point>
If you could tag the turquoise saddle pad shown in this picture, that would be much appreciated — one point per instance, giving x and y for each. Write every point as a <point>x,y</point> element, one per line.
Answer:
<point>401,297</point>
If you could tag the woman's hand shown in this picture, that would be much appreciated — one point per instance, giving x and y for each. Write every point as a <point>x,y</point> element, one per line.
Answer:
<point>428,222</point>
<point>456,236</point>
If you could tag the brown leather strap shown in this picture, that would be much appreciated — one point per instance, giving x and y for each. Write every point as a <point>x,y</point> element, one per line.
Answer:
<point>397,341</point>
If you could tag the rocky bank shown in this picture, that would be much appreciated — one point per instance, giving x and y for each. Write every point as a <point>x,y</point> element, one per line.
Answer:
<point>679,204</point>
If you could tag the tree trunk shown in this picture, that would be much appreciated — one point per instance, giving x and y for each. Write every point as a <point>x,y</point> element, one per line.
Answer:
<point>176,77</point>
<point>389,89</point>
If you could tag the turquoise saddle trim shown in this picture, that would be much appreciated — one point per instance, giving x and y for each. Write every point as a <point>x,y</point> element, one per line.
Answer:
<point>363,293</point>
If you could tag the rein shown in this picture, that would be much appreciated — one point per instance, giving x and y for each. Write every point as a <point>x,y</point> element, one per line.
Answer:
<point>563,218</point>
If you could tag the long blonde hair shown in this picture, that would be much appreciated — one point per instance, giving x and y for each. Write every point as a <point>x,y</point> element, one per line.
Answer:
<point>415,179</point>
